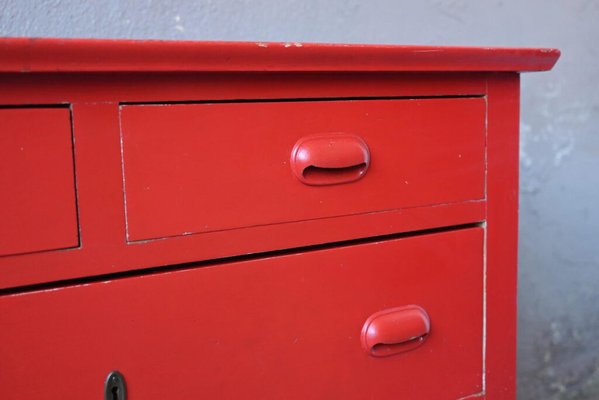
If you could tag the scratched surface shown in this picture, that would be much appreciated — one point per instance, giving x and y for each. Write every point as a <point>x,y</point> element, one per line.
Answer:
<point>559,257</point>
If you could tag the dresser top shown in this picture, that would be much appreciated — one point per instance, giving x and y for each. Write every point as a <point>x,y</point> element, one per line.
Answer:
<point>102,55</point>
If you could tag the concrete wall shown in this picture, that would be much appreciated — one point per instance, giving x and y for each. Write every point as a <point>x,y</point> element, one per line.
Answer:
<point>559,259</point>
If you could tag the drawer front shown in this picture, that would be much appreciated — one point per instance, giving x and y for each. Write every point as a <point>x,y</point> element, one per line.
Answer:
<point>193,168</point>
<point>283,327</point>
<point>37,207</point>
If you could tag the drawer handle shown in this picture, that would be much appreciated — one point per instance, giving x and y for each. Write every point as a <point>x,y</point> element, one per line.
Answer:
<point>395,330</point>
<point>330,159</point>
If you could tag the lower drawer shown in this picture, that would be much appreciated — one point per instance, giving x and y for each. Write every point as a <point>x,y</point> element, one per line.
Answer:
<point>282,327</point>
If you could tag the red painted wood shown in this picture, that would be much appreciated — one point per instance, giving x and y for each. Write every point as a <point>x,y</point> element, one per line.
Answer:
<point>211,167</point>
<point>88,55</point>
<point>103,251</point>
<point>502,236</point>
<point>279,327</point>
<point>143,87</point>
<point>94,99</point>
<point>37,208</point>
<point>163,317</point>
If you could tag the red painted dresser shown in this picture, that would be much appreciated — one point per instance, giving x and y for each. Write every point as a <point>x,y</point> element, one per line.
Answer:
<point>258,220</point>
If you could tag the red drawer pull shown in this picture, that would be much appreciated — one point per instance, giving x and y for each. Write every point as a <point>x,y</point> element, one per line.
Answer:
<point>329,159</point>
<point>395,330</point>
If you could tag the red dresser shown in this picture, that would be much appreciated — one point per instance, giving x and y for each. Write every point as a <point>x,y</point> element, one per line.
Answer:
<point>186,220</point>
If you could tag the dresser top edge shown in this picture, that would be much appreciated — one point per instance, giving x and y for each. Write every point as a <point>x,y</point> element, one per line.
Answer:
<point>30,55</point>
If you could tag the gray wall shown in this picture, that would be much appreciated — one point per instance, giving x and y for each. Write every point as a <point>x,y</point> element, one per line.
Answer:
<point>559,259</point>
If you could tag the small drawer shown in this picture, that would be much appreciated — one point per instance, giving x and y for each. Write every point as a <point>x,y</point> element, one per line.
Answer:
<point>37,180</point>
<point>399,319</point>
<point>194,168</point>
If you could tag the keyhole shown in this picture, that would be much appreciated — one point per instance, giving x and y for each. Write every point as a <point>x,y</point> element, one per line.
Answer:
<point>114,387</point>
<point>115,393</point>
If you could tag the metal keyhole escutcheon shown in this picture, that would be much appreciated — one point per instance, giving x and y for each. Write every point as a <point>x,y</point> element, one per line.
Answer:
<point>114,387</point>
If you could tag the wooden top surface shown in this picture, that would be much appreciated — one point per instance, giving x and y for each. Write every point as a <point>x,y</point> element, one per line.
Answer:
<point>101,55</point>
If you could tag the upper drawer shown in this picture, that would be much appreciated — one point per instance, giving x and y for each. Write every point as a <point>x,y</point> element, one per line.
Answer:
<point>37,210</point>
<point>192,168</point>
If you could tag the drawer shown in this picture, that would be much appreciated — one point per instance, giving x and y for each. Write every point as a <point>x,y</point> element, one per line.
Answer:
<point>37,181</point>
<point>284,327</point>
<point>194,168</point>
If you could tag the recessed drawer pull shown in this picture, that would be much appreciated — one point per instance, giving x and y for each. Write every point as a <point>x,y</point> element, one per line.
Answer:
<point>395,330</point>
<point>329,159</point>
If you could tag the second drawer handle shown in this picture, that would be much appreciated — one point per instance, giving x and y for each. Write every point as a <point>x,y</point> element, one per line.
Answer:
<point>395,330</point>
<point>329,159</point>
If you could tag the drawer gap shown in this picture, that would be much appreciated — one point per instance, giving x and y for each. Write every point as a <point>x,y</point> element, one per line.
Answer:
<point>233,259</point>
<point>302,99</point>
